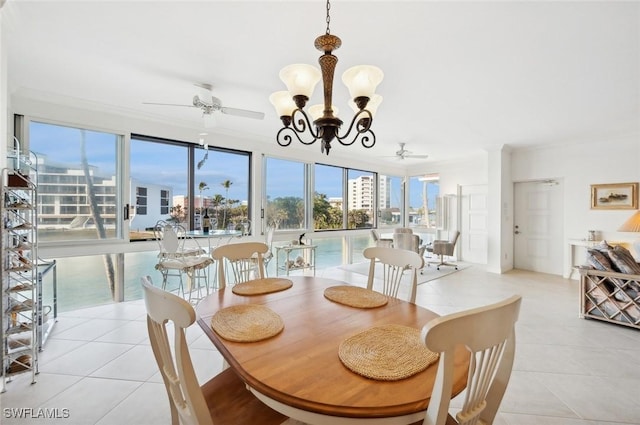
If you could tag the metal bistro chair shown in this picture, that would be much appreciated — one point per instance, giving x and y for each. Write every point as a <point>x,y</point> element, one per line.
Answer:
<point>175,259</point>
<point>394,263</point>
<point>488,333</point>
<point>268,256</point>
<point>240,262</point>
<point>224,399</point>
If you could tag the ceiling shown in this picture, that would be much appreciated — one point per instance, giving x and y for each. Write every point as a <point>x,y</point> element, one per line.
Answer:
<point>459,76</point>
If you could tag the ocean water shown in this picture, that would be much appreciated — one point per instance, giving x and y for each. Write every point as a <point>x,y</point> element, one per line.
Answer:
<point>82,281</point>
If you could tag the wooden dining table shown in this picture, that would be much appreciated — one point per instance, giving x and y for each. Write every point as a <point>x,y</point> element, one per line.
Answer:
<point>298,371</point>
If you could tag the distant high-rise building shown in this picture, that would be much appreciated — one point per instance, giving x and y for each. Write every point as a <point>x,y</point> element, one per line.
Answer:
<point>362,193</point>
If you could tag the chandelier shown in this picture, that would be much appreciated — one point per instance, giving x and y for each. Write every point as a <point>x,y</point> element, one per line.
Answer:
<point>301,79</point>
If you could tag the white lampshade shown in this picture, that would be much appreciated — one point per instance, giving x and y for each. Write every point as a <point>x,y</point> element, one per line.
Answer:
<point>362,80</point>
<point>283,103</point>
<point>316,111</point>
<point>372,105</point>
<point>300,79</point>
<point>632,224</point>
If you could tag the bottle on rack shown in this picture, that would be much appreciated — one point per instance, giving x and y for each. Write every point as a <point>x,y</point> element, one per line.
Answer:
<point>206,222</point>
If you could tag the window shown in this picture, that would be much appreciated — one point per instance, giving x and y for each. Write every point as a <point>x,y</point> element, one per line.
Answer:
<point>344,198</point>
<point>220,179</point>
<point>390,201</point>
<point>328,197</point>
<point>285,194</point>
<point>141,200</point>
<point>164,202</point>
<point>423,191</point>
<point>78,182</point>
<point>360,199</point>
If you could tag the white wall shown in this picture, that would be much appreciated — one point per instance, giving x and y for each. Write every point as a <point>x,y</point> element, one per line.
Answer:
<point>580,166</point>
<point>607,161</point>
<point>470,170</point>
<point>614,160</point>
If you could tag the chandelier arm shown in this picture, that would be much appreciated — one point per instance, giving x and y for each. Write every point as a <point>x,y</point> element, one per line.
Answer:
<point>300,121</point>
<point>366,136</point>
<point>362,122</point>
<point>296,128</point>
<point>368,142</point>
<point>284,139</point>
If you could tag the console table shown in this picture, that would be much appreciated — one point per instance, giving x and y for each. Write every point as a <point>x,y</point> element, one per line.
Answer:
<point>307,252</point>
<point>572,246</point>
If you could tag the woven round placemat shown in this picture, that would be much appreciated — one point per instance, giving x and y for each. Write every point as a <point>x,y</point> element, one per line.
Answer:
<point>246,323</point>
<point>355,296</point>
<point>386,353</point>
<point>262,286</point>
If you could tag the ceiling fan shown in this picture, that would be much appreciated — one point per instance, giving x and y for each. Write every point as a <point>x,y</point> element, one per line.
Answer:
<point>402,153</point>
<point>208,107</point>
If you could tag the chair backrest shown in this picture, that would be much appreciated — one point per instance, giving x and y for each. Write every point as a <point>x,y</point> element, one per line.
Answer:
<point>375,235</point>
<point>488,333</point>
<point>394,262</point>
<point>407,241</point>
<point>402,230</point>
<point>269,241</point>
<point>243,261</point>
<point>187,403</point>
<point>446,247</point>
<point>170,237</point>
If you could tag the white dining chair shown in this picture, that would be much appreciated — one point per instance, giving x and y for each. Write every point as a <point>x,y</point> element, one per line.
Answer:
<point>488,333</point>
<point>224,399</point>
<point>239,262</point>
<point>394,263</point>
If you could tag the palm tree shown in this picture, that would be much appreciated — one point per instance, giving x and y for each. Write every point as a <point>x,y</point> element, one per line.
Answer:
<point>202,187</point>
<point>226,184</point>
<point>216,201</point>
<point>94,207</point>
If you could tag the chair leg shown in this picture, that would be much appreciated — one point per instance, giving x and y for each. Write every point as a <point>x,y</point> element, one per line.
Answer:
<point>442,262</point>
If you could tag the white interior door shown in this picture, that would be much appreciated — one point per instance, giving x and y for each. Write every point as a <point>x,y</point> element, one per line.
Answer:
<point>474,227</point>
<point>538,226</point>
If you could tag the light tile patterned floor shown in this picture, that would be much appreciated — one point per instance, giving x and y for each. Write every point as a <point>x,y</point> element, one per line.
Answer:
<point>568,371</point>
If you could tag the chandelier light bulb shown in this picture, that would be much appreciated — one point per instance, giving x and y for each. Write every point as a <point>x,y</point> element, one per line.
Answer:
<point>283,103</point>
<point>300,79</point>
<point>362,80</point>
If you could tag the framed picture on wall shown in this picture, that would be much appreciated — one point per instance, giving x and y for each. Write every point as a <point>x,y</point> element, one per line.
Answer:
<point>615,196</point>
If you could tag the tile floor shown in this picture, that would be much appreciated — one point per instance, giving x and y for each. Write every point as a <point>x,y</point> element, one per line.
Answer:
<point>99,366</point>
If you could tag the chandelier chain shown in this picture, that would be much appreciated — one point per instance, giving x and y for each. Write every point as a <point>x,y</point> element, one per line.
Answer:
<point>328,17</point>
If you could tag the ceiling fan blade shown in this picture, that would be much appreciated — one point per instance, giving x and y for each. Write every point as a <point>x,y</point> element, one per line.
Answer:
<point>242,113</point>
<point>416,156</point>
<point>168,104</point>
